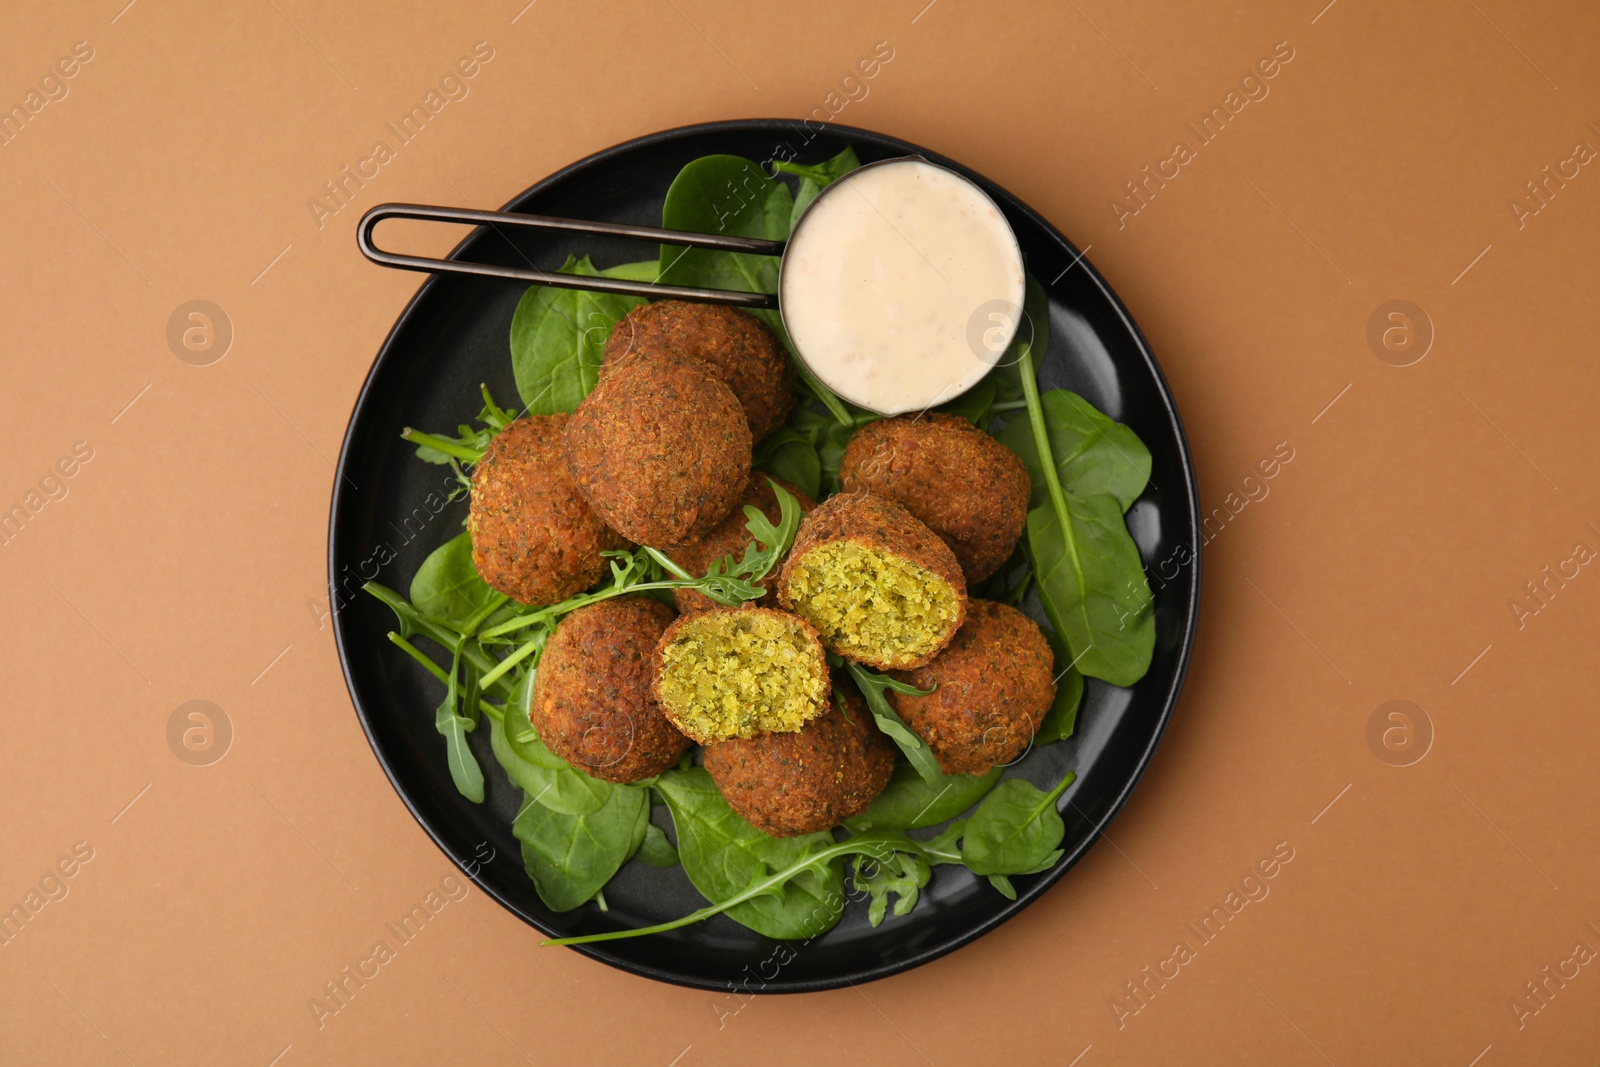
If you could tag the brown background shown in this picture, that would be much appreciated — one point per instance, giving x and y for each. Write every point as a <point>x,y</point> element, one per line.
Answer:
<point>186,562</point>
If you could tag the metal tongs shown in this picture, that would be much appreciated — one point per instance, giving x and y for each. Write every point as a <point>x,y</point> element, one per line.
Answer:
<point>622,286</point>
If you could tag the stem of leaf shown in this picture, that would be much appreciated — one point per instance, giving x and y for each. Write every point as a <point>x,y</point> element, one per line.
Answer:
<point>1007,405</point>
<point>1041,443</point>
<point>439,444</point>
<point>495,604</point>
<point>421,657</point>
<point>878,846</point>
<point>667,564</point>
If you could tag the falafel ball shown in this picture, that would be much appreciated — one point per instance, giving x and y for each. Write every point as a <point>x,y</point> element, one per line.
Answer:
<point>799,783</point>
<point>534,536</point>
<point>992,687</point>
<point>965,485</point>
<point>741,672</point>
<point>660,449</point>
<point>593,696</point>
<point>880,587</point>
<point>730,539</point>
<point>738,346</point>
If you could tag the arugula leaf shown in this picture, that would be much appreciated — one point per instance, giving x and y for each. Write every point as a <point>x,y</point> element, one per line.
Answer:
<point>1091,580</point>
<point>872,684</point>
<point>723,856</point>
<point>571,857</point>
<point>1016,830</point>
<point>447,586</point>
<point>1094,454</point>
<point>557,338</point>
<point>910,802</point>
<point>903,874</point>
<point>733,580</point>
<point>464,769</point>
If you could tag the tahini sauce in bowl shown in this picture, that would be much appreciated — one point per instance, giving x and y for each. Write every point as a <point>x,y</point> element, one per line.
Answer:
<point>902,285</point>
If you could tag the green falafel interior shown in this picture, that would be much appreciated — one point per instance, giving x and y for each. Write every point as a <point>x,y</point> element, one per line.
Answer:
<point>872,605</point>
<point>739,673</point>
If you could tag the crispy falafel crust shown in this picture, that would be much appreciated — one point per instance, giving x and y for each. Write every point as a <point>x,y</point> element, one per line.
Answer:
<point>965,485</point>
<point>730,538</point>
<point>593,699</point>
<point>660,449</point>
<point>995,684</point>
<point>741,672</point>
<point>873,527</point>
<point>739,347</point>
<point>534,536</point>
<point>800,783</point>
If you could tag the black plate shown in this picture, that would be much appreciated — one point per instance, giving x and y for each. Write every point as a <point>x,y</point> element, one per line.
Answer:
<point>453,336</point>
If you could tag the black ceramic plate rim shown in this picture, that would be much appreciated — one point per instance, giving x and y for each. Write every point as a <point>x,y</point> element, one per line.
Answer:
<point>1049,878</point>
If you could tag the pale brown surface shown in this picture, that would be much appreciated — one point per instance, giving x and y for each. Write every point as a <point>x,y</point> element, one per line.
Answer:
<point>187,560</point>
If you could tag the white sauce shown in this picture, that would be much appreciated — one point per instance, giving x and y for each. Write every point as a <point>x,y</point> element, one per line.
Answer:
<point>902,286</point>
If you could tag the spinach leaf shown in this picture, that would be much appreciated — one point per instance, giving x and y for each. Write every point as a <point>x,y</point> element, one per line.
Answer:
<point>828,436</point>
<point>1094,454</point>
<point>903,874</point>
<point>910,802</point>
<point>447,586</point>
<point>1062,717</point>
<point>1093,588</point>
<point>724,195</point>
<point>724,855</point>
<point>974,404</point>
<point>557,338</point>
<point>1090,577</point>
<point>735,196</point>
<point>571,857</point>
<point>464,769</point>
<point>1016,830</point>
<point>816,177</point>
<point>646,270</point>
<point>872,684</point>
<point>545,777</point>
<point>788,455</point>
<point>655,849</point>
<point>1033,335</point>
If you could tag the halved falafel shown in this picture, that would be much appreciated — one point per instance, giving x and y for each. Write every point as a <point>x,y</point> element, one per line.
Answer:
<point>992,687</point>
<point>965,485</point>
<point>880,587</point>
<point>730,538</point>
<point>593,696</point>
<point>534,536</point>
<point>741,672</point>
<point>660,449</point>
<point>738,346</point>
<point>799,783</point>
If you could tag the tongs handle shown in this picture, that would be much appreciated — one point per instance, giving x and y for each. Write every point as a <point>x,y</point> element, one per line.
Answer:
<point>623,286</point>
